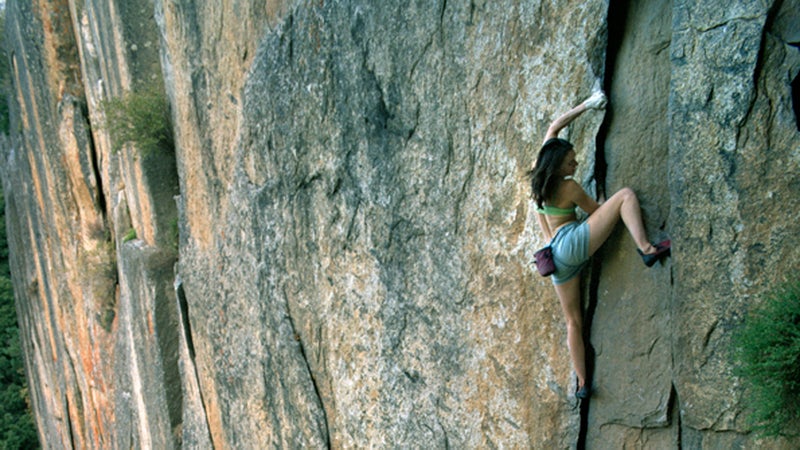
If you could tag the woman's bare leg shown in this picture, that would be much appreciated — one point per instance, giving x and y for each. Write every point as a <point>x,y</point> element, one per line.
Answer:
<point>570,295</point>
<point>622,204</point>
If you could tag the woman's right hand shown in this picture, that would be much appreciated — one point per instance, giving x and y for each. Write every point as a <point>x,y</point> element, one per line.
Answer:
<point>597,100</point>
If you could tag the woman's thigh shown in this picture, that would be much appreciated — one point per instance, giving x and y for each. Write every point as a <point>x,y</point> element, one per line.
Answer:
<point>604,219</point>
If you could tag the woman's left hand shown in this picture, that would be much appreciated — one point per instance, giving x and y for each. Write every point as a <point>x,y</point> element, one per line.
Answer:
<point>598,100</point>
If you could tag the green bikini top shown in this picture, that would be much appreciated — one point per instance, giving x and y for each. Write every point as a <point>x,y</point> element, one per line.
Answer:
<point>556,211</point>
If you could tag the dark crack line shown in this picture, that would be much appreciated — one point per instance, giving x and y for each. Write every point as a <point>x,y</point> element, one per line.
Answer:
<point>317,393</point>
<point>594,284</point>
<point>616,17</point>
<point>94,161</point>
<point>674,413</point>
<point>69,422</point>
<point>795,88</point>
<point>183,311</point>
<point>314,385</point>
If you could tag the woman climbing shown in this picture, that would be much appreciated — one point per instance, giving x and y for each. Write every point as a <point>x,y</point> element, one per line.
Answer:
<point>557,195</point>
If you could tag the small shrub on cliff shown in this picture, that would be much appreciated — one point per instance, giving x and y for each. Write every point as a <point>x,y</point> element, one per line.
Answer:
<point>141,118</point>
<point>768,353</point>
<point>129,236</point>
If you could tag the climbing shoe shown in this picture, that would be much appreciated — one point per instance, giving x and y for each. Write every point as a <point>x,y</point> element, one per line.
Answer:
<point>662,251</point>
<point>583,393</point>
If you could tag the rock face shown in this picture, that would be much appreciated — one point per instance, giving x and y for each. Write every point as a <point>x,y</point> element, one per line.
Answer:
<point>632,323</point>
<point>353,266</point>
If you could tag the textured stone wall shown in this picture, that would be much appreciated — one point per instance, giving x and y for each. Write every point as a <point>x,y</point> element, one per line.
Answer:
<point>631,325</point>
<point>375,208</point>
<point>735,141</point>
<point>353,266</point>
<point>701,126</point>
<point>61,263</point>
<point>99,314</point>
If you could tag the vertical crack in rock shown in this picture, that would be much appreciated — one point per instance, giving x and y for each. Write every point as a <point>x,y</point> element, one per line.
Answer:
<point>80,431</point>
<point>758,69</point>
<point>673,412</point>
<point>634,373</point>
<point>188,341</point>
<point>68,418</point>
<point>594,282</point>
<point>795,88</point>
<point>168,339</point>
<point>183,306</point>
<point>319,396</point>
<point>616,16</point>
<point>94,160</point>
<point>311,376</point>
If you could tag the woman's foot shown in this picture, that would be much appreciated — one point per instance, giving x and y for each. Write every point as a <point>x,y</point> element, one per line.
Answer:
<point>654,253</point>
<point>649,250</point>
<point>583,392</point>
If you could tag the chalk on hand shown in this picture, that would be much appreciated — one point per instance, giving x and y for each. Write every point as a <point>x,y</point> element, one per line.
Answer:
<point>596,101</point>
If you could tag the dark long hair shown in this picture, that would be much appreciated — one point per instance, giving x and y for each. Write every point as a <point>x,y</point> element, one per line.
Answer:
<point>544,176</point>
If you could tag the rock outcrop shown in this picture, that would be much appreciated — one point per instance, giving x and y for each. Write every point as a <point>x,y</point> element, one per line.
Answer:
<point>338,251</point>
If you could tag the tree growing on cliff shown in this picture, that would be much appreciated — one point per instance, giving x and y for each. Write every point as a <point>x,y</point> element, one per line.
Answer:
<point>141,118</point>
<point>768,353</point>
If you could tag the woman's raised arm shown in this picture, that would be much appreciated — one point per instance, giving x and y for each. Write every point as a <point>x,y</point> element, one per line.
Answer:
<point>596,101</point>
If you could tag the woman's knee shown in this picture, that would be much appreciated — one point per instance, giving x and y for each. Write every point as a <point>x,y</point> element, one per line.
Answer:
<point>626,194</point>
<point>574,322</point>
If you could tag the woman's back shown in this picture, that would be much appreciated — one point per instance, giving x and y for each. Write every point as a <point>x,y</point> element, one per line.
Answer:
<point>560,209</point>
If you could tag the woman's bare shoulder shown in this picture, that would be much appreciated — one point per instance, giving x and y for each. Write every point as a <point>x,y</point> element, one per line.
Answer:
<point>569,185</point>
<point>575,193</point>
<point>565,193</point>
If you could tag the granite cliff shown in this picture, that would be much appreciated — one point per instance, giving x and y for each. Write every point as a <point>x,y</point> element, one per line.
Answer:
<point>337,252</point>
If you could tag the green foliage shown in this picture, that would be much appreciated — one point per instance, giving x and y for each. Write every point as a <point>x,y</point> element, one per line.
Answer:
<point>141,118</point>
<point>768,353</point>
<point>17,430</point>
<point>129,236</point>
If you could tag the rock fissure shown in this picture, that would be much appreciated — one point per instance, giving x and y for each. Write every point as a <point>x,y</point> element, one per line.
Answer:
<point>191,377</point>
<point>183,308</point>
<point>795,92</point>
<point>309,371</point>
<point>615,16</point>
<point>95,167</point>
<point>68,427</point>
<point>631,151</point>
<point>317,392</point>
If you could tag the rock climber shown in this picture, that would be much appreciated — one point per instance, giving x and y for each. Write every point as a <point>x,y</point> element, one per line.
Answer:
<point>557,195</point>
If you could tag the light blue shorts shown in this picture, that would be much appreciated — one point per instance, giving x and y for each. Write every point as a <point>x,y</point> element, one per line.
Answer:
<point>570,251</point>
